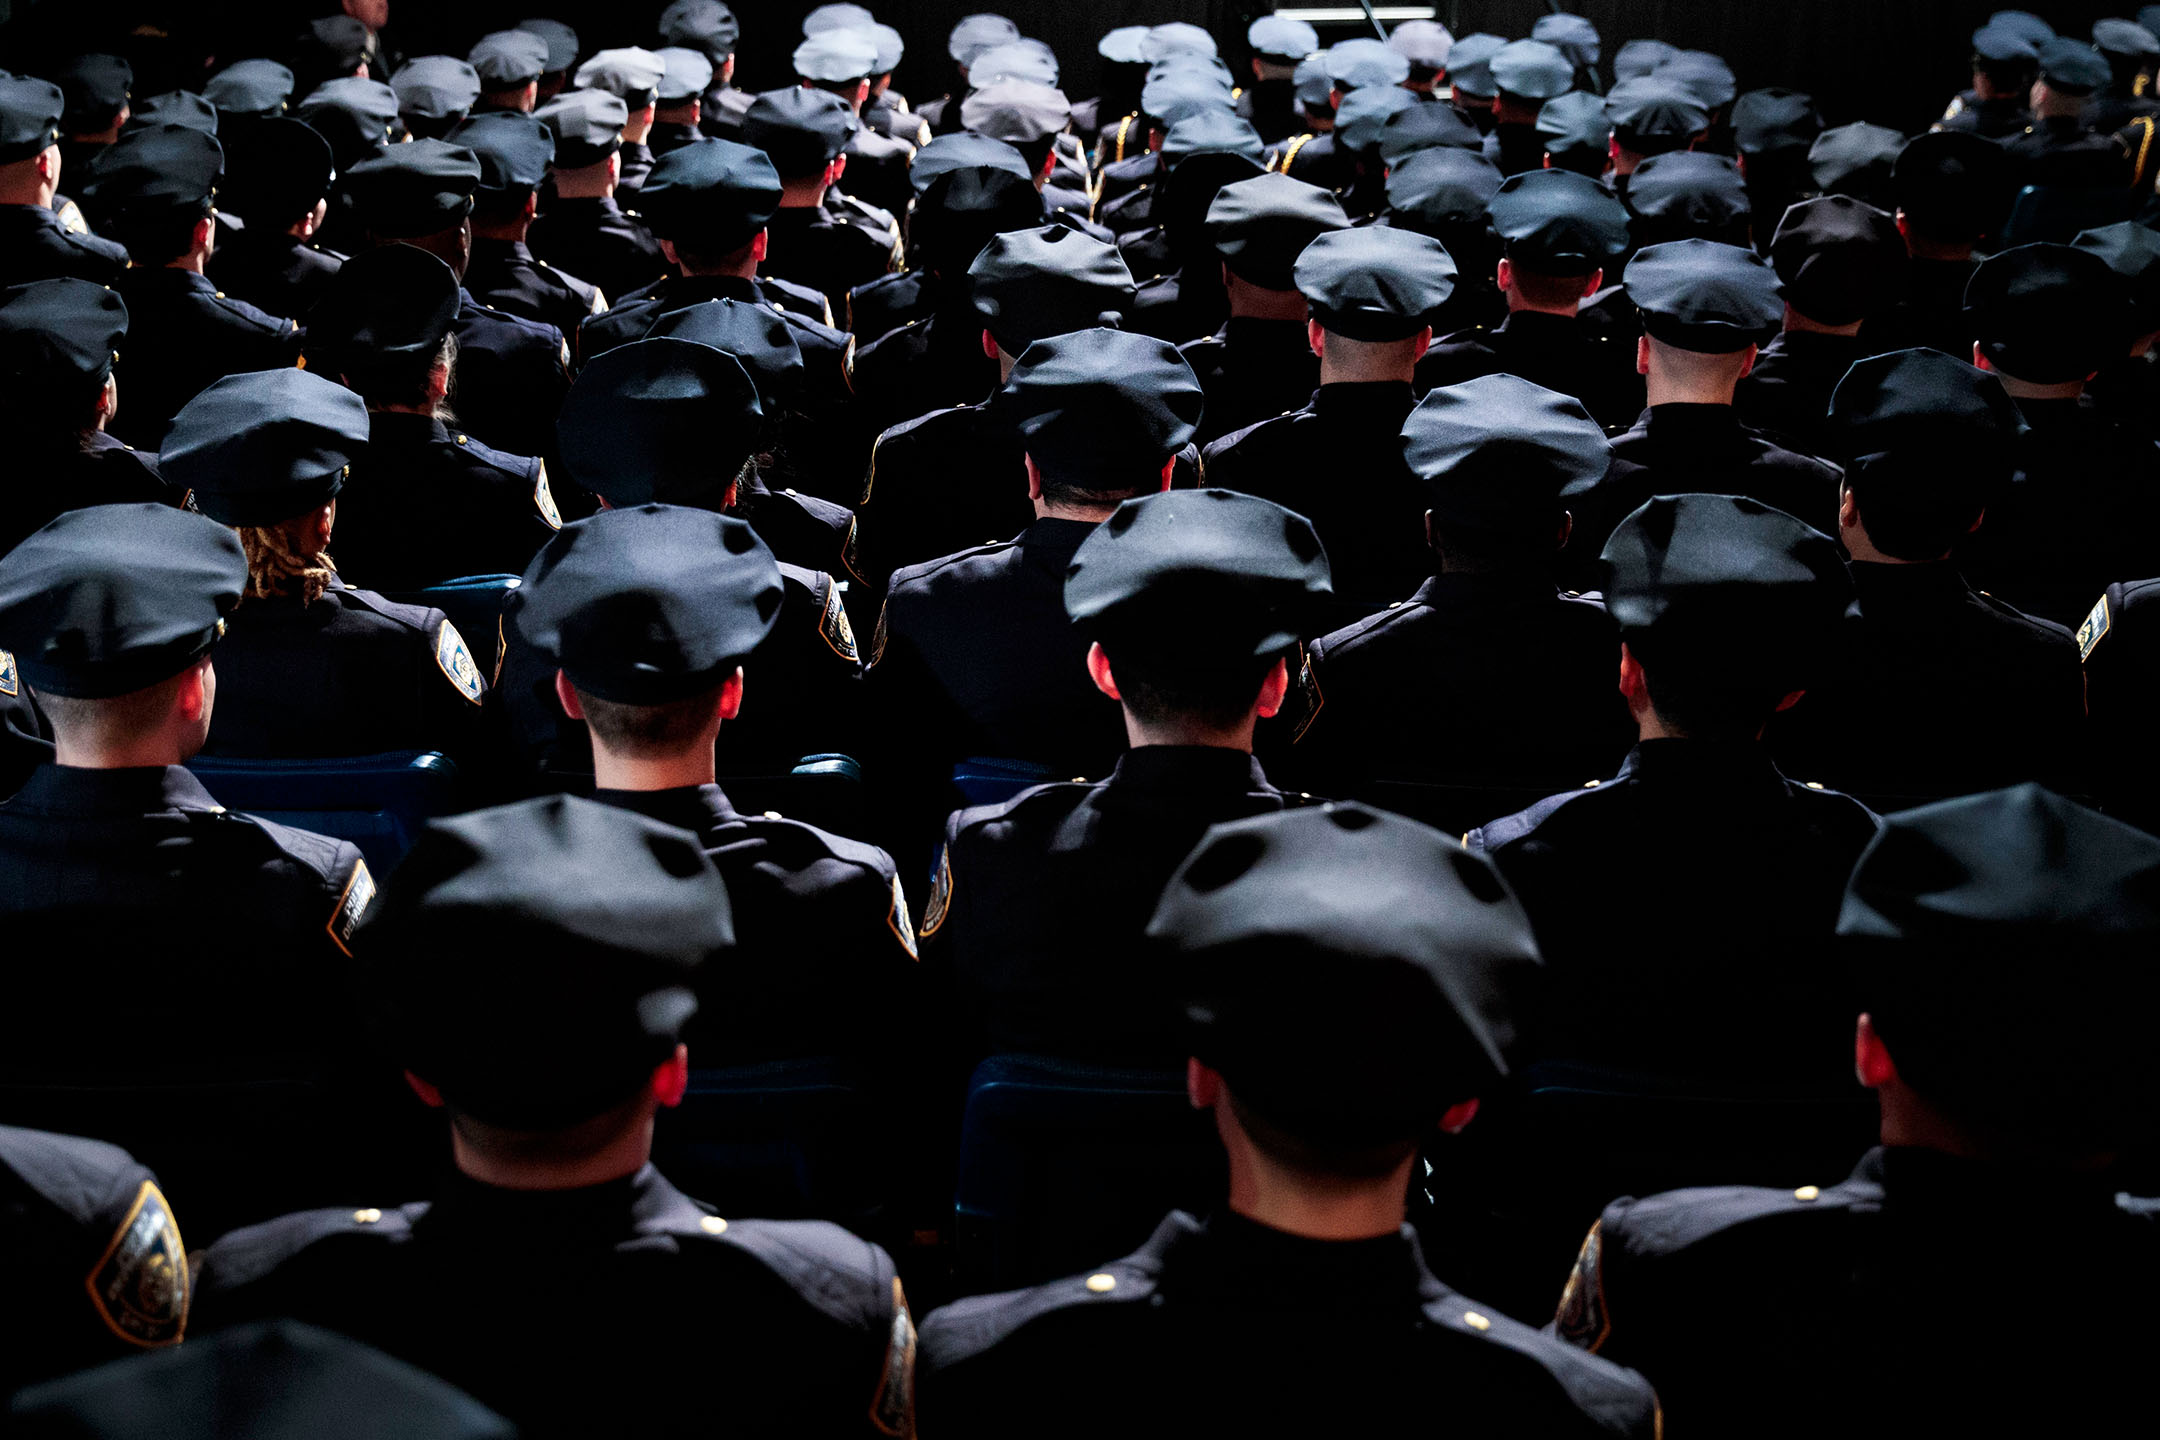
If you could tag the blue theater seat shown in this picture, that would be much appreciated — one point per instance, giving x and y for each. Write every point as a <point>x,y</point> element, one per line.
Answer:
<point>985,780</point>
<point>821,790</point>
<point>474,604</point>
<point>378,802</point>
<point>1065,1165</point>
<point>787,1139</point>
<point>2056,213</point>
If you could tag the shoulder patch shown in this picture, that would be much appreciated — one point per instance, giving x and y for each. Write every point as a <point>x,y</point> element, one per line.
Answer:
<point>851,549</point>
<point>351,906</point>
<point>847,365</point>
<point>544,498</point>
<point>870,479</point>
<point>892,1409</point>
<point>900,922</point>
<point>455,658</point>
<point>9,683</point>
<point>1309,698</point>
<point>2089,634</point>
<point>1582,1320</point>
<point>833,622</point>
<point>877,636</point>
<point>940,905</point>
<point>140,1284</point>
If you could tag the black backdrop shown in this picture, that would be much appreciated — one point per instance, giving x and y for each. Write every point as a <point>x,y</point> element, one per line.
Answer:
<point>1892,61</point>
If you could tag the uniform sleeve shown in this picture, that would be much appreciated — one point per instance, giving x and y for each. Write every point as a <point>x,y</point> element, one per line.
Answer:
<point>914,733</point>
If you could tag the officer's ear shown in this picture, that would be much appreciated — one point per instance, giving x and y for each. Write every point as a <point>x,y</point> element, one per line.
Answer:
<point>731,690</point>
<point>1791,699</point>
<point>1503,272</point>
<point>1642,354</point>
<point>429,1095</point>
<point>532,208</point>
<point>758,247</point>
<point>1424,343</point>
<point>1273,689</point>
<point>566,696</point>
<point>990,345</point>
<point>862,91</point>
<point>1567,528</point>
<point>1098,668</point>
<point>1595,283</point>
<point>1457,1117</point>
<point>1872,1064</point>
<point>835,170</point>
<point>1169,471</point>
<point>1049,166</point>
<point>1748,365</point>
<point>1203,1087</point>
<point>671,1079</point>
<point>1316,337</point>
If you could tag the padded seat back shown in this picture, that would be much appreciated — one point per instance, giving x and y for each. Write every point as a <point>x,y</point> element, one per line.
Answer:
<point>475,605</point>
<point>2057,213</point>
<point>787,1139</point>
<point>378,802</point>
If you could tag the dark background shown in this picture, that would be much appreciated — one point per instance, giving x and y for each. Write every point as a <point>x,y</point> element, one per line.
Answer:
<point>1895,62</point>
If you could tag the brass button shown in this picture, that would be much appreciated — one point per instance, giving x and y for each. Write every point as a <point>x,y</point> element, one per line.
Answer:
<point>1476,1321</point>
<point>772,814</point>
<point>1807,1192</point>
<point>1102,1284</point>
<point>460,439</point>
<point>366,1217</point>
<point>220,294</point>
<point>713,1225</point>
<point>1591,784</point>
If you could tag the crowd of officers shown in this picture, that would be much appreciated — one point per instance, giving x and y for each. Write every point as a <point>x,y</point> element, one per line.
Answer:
<point>1737,529</point>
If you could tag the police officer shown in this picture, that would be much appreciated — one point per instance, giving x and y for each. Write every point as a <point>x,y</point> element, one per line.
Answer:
<point>2005,60</point>
<point>358,117</point>
<point>1574,133</point>
<point>634,76</point>
<point>887,110</point>
<point>1193,602</point>
<point>511,372</point>
<point>34,245</point>
<point>1999,1085</point>
<point>1689,195</point>
<point>1182,293</point>
<point>248,90</point>
<point>1444,191</point>
<point>840,61</point>
<point>1952,190</point>
<point>1727,612</point>
<point>1649,117</point>
<point>1035,119</point>
<point>562,53</point>
<point>885,304</point>
<point>1426,44</point>
<point>509,64</point>
<point>312,666</point>
<point>710,28</point>
<point>1938,689</point>
<point>541,962</point>
<point>2125,387</point>
<point>1470,82</point>
<point>1560,231</point>
<point>1260,364</point>
<point>153,190</point>
<point>1277,43</point>
<point>1354,982</point>
<point>1297,156</point>
<point>1173,93</point>
<point>1773,130</point>
<point>1529,73</point>
<point>59,346</point>
<point>585,230</point>
<point>805,133</point>
<point>1110,122</point>
<point>2059,148</point>
<point>435,93</point>
<point>649,620</point>
<point>1372,294</point>
<point>428,503</point>
<point>1434,687</point>
<point>967,39</point>
<point>1840,263</point>
<point>514,150</point>
<point>279,174</point>
<point>95,90</point>
<point>685,73</point>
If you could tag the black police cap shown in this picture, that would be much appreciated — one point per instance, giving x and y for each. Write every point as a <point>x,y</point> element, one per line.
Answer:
<point>94,89</point>
<point>435,87</point>
<point>1533,70</point>
<point>2004,45</point>
<point>977,33</point>
<point>715,196</point>
<point>1496,452</point>
<point>659,420</point>
<point>1952,184</point>
<point>383,315</point>
<point>1177,39</point>
<point>58,341</point>
<point>116,598</point>
<point>1925,405</point>
<point>1705,76</point>
<point>632,73</point>
<point>705,25</point>
<point>1309,82</point>
<point>255,89</point>
<point>1637,58</point>
<point>1377,283</point>
<point>1469,64</point>
<point>162,173</point>
<point>649,604</point>
<point>1280,38</point>
<point>2025,23</point>
<point>1574,35</point>
<point>1028,285</point>
<point>262,447</point>
<point>1426,44</point>
<point>562,43</point>
<point>2002,945</point>
<point>332,45</point>
<point>1426,127</point>
<point>173,107</point>
<point>1556,222</point>
<point>1198,573</point>
<point>514,150</point>
<point>1022,59</point>
<point>1364,115</point>
<point>1702,296</point>
<point>837,16</point>
<point>1019,112</point>
<point>1102,409</point>
<point>1856,159</point>
<point>831,57</point>
<point>1775,121</point>
<point>587,126</point>
<point>2046,314</point>
<point>800,128</point>
<point>418,188</point>
<point>270,1380</point>
<point>1655,112</point>
<point>357,117</point>
<point>1689,195</point>
<point>1727,584</point>
<point>1125,45</point>
<point>1350,973</point>
<point>1212,132</point>
<point>507,59</point>
<point>684,75</point>
<point>1260,226</point>
<point>1439,188</point>
<point>1357,63</point>
<point>2132,251</point>
<point>1174,96</point>
<point>964,209</point>
<point>964,150</point>
<point>2126,39</point>
<point>1840,260</point>
<point>276,170</point>
<point>1573,124</point>
<point>756,335</point>
<point>2072,66</point>
<point>540,958</point>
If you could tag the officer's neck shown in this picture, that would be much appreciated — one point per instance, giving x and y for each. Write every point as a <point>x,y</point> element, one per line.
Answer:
<point>2018,389</point>
<point>1795,321</point>
<point>1252,302</point>
<point>1312,1206</point>
<point>511,231</point>
<point>684,769</point>
<point>1189,733</point>
<point>802,194</point>
<point>151,750</point>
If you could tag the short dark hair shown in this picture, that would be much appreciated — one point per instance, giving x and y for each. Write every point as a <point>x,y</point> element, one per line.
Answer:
<point>1542,287</point>
<point>403,384</point>
<point>693,256</point>
<point>1060,487</point>
<point>1321,1154</point>
<point>648,731</point>
<point>1907,510</point>
<point>1704,700</point>
<point>501,207</point>
<point>1162,686</point>
<point>157,239</point>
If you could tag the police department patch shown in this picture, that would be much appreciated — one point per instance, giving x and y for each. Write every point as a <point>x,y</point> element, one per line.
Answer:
<point>140,1285</point>
<point>833,625</point>
<point>9,685</point>
<point>545,499</point>
<point>1582,1320</point>
<point>940,895</point>
<point>455,658</point>
<point>1308,698</point>
<point>900,922</point>
<point>877,638</point>
<point>2089,633</point>
<point>893,1407</point>
<point>351,906</point>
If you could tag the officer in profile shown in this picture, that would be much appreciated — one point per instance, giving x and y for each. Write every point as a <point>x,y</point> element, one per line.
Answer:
<point>539,965</point>
<point>653,619</point>
<point>805,133</point>
<point>2005,61</point>
<point>1728,611</point>
<point>34,245</point>
<point>509,64</point>
<point>95,90</point>
<point>1938,688</point>
<point>1352,982</point>
<point>1372,294</point>
<point>312,666</point>
<point>279,174</point>
<point>428,503</point>
<point>633,75</point>
<point>1434,687</point>
<point>60,343</point>
<point>1192,601</point>
<point>1560,231</point>
<point>1952,191</point>
<point>153,191</point>
<point>514,151</point>
<point>1997,1084</point>
<point>585,230</point>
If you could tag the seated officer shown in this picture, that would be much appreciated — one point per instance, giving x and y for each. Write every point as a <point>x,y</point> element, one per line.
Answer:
<point>1727,611</point>
<point>954,478</point>
<point>429,504</point>
<point>511,372</point>
<point>974,654</point>
<point>311,666</point>
<point>2122,686</point>
<point>649,615</point>
<point>278,178</point>
<point>514,151</point>
<point>435,93</point>
<point>1528,73</point>
<point>2004,60</point>
<point>509,64</point>
<point>1650,116</point>
<point>2128,387</point>
<point>2084,510</point>
<point>539,964</point>
<point>1260,364</point>
<point>892,301</point>
<point>153,190</point>
<point>1938,689</point>
<point>1952,190</point>
<point>585,230</point>
<point>1998,1080</point>
<point>1434,687</point>
<point>676,104</point>
<point>59,345</point>
<point>2059,149</point>
<point>805,133</point>
<point>77,1210</point>
<point>840,61</point>
<point>1372,293</point>
<point>34,245</point>
<point>631,74</point>
<point>1705,308</point>
<point>1193,601</point>
<point>1352,980</point>
<point>1560,230</point>
<point>1840,262</point>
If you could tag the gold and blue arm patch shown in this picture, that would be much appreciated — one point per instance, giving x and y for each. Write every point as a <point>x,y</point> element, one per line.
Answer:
<point>834,628</point>
<point>140,1283</point>
<point>544,500</point>
<point>10,681</point>
<point>2090,633</point>
<point>352,906</point>
<point>454,657</point>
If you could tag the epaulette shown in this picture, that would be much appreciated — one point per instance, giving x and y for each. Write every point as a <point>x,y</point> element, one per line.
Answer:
<point>910,573</point>
<point>1510,828</point>
<point>967,1327</point>
<point>251,1253</point>
<point>255,315</point>
<point>1679,1218</point>
<point>1034,797</point>
<point>1593,1384</point>
<point>847,1279</point>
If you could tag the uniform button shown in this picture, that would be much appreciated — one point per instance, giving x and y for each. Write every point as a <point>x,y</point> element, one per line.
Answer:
<point>1807,1192</point>
<point>366,1217</point>
<point>1101,1284</point>
<point>713,1225</point>
<point>220,294</point>
<point>1476,1321</point>
<point>1813,784</point>
<point>460,439</point>
<point>1591,784</point>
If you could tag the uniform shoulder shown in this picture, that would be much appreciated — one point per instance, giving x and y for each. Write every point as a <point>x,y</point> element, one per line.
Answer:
<point>2035,628</point>
<point>889,345</point>
<point>252,316</point>
<point>1511,829</point>
<point>966,1328</point>
<point>1256,434</point>
<point>923,427</point>
<point>524,467</point>
<point>252,1252</point>
<point>922,576</point>
<point>1037,802</point>
<point>1336,644</point>
<point>537,329</point>
<point>1615,1398</point>
<point>848,1279</point>
<point>421,619</point>
<point>1677,1219</point>
<point>73,1173</point>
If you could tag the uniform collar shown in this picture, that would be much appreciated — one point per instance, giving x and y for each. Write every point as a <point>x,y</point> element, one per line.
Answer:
<point>1931,577</point>
<point>70,791</point>
<point>2050,414</point>
<point>1393,398</point>
<point>1714,765</point>
<point>1232,1258</point>
<point>690,807</point>
<point>1050,543</point>
<point>1250,332</point>
<point>165,278</point>
<point>547,1219</point>
<point>398,420</point>
<point>1197,768</point>
<point>1520,322</point>
<point>1686,420</point>
<point>1459,588</point>
<point>1814,346</point>
<point>685,290</point>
